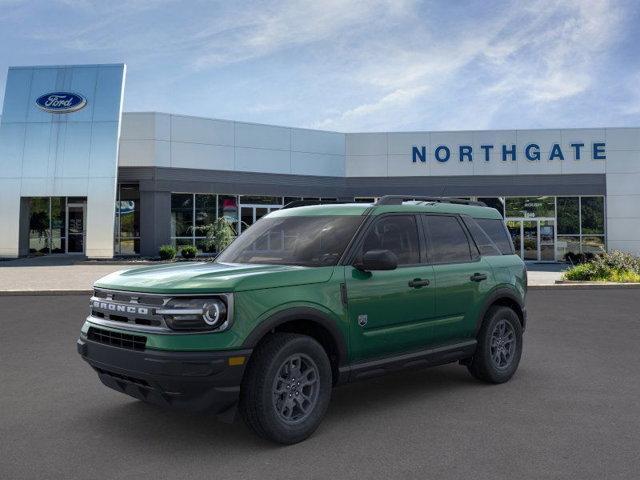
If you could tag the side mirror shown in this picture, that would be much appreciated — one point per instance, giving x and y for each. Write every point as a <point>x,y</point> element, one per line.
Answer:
<point>377,260</point>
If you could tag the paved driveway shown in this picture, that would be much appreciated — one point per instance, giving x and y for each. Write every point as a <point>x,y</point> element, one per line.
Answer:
<point>572,411</point>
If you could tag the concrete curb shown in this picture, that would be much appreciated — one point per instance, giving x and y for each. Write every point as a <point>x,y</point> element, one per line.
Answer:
<point>42,293</point>
<point>584,286</point>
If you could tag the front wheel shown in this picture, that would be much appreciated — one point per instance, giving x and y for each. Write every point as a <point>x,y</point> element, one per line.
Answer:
<point>287,388</point>
<point>499,347</point>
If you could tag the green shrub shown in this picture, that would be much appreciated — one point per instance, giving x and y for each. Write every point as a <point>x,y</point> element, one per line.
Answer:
<point>614,266</point>
<point>188,251</point>
<point>218,235</point>
<point>167,252</point>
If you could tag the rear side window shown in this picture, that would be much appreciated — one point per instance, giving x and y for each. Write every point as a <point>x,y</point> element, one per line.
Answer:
<point>497,232</point>
<point>448,242</point>
<point>397,233</point>
<point>483,242</point>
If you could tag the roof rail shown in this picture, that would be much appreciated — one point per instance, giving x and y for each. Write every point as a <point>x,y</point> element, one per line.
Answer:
<point>306,203</point>
<point>399,199</point>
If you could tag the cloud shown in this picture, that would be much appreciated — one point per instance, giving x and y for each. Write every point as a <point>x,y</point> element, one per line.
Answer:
<point>534,53</point>
<point>343,64</point>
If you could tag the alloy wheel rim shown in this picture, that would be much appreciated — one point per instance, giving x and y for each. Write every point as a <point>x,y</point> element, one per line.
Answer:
<point>295,388</point>
<point>503,344</point>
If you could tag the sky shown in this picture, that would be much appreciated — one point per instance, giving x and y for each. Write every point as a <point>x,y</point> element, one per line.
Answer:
<point>351,65</point>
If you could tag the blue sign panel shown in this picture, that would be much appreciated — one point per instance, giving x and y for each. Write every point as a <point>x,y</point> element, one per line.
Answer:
<point>61,102</point>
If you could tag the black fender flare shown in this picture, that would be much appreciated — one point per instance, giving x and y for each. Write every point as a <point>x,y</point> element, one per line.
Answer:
<point>300,313</point>
<point>499,294</point>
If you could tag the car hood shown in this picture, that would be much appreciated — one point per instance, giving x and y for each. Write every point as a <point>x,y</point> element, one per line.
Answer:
<point>210,277</point>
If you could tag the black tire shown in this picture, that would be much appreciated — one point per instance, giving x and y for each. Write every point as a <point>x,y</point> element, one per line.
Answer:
<point>270,370</point>
<point>490,363</point>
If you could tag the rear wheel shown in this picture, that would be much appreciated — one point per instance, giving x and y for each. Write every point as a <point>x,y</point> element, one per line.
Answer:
<point>287,387</point>
<point>499,347</point>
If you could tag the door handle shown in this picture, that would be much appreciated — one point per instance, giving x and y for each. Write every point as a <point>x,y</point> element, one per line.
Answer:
<point>478,277</point>
<point>418,282</point>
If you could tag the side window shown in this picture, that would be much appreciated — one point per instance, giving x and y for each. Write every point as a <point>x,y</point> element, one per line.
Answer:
<point>483,242</point>
<point>397,233</point>
<point>447,240</point>
<point>497,232</point>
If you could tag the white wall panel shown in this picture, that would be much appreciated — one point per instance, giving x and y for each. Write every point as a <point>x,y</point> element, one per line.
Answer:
<point>313,141</point>
<point>303,163</point>
<point>400,143</point>
<point>198,155</point>
<point>623,161</point>
<point>201,130</point>
<point>623,139</point>
<point>623,206</point>
<point>366,166</point>
<point>263,160</point>
<point>623,183</point>
<point>262,136</point>
<point>139,126</point>
<point>401,165</point>
<point>366,144</point>
<point>140,153</point>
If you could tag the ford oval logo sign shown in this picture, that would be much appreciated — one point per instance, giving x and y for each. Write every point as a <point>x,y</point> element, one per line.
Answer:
<point>61,102</point>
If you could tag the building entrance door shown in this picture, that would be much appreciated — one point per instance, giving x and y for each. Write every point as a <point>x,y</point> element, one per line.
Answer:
<point>533,239</point>
<point>250,214</point>
<point>76,220</point>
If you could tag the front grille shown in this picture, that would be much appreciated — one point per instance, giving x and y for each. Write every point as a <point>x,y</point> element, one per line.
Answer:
<point>117,339</point>
<point>129,308</point>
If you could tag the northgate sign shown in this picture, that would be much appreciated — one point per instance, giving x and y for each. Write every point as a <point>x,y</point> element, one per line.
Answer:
<point>531,152</point>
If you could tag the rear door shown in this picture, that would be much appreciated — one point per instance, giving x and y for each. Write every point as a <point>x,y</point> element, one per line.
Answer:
<point>462,277</point>
<point>389,311</point>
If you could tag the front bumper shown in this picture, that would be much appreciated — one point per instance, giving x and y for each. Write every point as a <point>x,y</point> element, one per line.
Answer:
<point>196,381</point>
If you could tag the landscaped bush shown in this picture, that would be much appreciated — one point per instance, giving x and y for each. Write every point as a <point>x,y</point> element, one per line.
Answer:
<point>615,266</point>
<point>167,252</point>
<point>189,251</point>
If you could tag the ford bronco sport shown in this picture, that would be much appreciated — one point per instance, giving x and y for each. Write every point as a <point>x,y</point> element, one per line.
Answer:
<point>308,298</point>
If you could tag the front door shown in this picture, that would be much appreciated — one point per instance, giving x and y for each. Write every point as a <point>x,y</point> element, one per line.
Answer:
<point>75,227</point>
<point>534,239</point>
<point>390,311</point>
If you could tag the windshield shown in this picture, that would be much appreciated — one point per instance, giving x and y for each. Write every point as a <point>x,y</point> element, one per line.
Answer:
<point>312,241</point>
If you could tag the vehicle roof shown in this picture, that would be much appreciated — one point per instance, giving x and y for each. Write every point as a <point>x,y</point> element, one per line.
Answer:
<point>474,211</point>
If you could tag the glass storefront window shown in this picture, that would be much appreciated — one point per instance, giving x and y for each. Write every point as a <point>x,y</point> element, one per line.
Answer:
<point>39,225</point>
<point>228,208</point>
<point>530,207</point>
<point>592,214</point>
<point>205,210</point>
<point>567,244</point>
<point>259,200</point>
<point>593,244</point>
<point>127,226</point>
<point>568,216</point>
<point>48,229</point>
<point>181,214</point>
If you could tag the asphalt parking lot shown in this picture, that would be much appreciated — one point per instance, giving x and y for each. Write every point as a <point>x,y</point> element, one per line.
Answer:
<point>571,411</point>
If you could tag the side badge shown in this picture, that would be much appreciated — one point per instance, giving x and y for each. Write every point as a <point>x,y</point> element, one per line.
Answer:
<point>362,320</point>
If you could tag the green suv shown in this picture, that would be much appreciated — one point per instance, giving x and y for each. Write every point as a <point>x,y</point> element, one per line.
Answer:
<point>311,297</point>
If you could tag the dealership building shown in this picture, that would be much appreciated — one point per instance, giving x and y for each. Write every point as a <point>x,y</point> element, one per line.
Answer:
<point>80,176</point>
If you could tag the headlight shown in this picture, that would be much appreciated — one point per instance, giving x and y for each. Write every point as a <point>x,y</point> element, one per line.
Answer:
<point>194,314</point>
